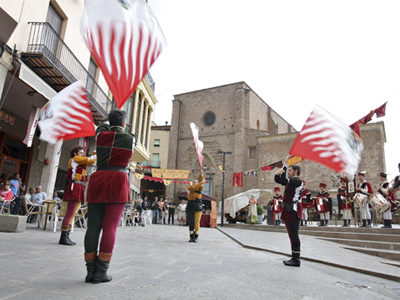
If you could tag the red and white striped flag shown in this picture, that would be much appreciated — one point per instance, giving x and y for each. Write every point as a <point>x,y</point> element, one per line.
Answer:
<point>67,116</point>
<point>125,38</point>
<point>198,145</point>
<point>327,140</point>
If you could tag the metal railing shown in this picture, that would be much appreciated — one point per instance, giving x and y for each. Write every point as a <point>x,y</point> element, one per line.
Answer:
<point>44,39</point>
<point>151,163</point>
<point>151,81</point>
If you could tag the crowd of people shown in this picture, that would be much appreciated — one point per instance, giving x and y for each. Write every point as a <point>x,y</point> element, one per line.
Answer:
<point>358,203</point>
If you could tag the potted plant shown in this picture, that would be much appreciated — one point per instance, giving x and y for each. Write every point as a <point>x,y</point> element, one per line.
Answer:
<point>46,160</point>
<point>260,212</point>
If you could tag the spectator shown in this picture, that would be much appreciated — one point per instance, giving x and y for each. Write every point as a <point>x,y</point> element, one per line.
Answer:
<point>18,200</point>
<point>38,197</point>
<point>6,194</point>
<point>55,197</point>
<point>182,213</point>
<point>155,209</point>
<point>171,212</point>
<point>145,204</point>
<point>28,195</point>
<point>138,204</point>
<point>15,183</point>
<point>164,211</point>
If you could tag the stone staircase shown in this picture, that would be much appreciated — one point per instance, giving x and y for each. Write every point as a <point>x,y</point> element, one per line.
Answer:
<point>381,242</point>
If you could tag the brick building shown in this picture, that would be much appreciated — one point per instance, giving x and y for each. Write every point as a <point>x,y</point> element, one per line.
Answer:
<point>233,118</point>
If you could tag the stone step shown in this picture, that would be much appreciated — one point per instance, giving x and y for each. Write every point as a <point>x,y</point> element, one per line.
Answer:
<point>354,235</point>
<point>387,254</point>
<point>366,244</point>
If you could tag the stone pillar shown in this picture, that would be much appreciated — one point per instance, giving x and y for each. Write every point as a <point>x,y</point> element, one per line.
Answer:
<point>150,112</point>
<point>49,173</point>
<point>140,122</point>
<point>135,105</point>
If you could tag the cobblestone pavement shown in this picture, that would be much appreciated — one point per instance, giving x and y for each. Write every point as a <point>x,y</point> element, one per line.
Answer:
<point>157,262</point>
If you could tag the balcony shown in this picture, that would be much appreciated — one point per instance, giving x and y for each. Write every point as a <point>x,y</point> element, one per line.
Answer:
<point>151,163</point>
<point>51,59</point>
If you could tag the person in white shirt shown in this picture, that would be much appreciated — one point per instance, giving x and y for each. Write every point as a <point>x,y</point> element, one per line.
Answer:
<point>182,213</point>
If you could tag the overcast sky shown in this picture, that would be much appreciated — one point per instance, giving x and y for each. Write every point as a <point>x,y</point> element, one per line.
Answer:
<point>341,55</point>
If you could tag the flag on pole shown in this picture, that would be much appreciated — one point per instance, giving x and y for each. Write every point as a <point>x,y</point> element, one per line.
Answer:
<point>125,38</point>
<point>32,124</point>
<point>198,145</point>
<point>67,116</point>
<point>327,140</point>
<point>380,111</point>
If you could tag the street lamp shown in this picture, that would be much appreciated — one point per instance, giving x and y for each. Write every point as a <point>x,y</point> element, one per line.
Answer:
<point>223,187</point>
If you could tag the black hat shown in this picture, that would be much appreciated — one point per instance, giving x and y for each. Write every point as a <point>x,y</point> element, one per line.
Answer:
<point>383,174</point>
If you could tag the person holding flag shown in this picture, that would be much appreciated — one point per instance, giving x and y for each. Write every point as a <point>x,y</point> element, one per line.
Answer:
<point>194,208</point>
<point>75,191</point>
<point>292,211</point>
<point>108,192</point>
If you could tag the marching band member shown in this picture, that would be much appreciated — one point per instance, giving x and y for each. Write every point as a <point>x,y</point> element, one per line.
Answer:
<point>305,202</point>
<point>365,188</point>
<point>292,213</point>
<point>395,184</point>
<point>345,204</point>
<point>277,205</point>
<point>384,191</point>
<point>323,204</point>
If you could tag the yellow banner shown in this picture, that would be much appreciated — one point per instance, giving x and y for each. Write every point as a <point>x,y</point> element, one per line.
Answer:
<point>294,160</point>
<point>170,174</point>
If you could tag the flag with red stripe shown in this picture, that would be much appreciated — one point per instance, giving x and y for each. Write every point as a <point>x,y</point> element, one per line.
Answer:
<point>67,116</point>
<point>327,140</point>
<point>198,145</point>
<point>125,38</point>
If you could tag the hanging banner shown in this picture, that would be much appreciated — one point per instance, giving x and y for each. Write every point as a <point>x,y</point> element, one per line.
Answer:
<point>170,174</point>
<point>33,120</point>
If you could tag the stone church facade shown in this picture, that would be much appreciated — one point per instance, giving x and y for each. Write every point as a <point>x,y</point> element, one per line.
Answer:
<point>233,118</point>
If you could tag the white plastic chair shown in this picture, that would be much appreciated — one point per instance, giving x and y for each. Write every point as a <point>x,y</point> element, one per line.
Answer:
<point>3,205</point>
<point>148,217</point>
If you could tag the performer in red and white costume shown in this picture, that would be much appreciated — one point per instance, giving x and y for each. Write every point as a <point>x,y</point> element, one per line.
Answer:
<point>305,202</point>
<point>384,191</point>
<point>323,204</point>
<point>277,205</point>
<point>345,204</point>
<point>75,192</point>
<point>365,188</point>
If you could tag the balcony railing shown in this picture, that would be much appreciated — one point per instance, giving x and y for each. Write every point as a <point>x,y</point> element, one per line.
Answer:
<point>150,81</point>
<point>151,163</point>
<point>43,39</point>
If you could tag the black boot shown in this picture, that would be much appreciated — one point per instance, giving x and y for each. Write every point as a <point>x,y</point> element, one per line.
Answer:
<point>344,223</point>
<point>295,260</point>
<point>326,222</point>
<point>191,237</point>
<point>64,239</point>
<point>196,238</point>
<point>103,263</point>
<point>321,223</point>
<point>91,262</point>
<point>364,223</point>
<point>301,223</point>
<point>349,223</point>
<point>69,232</point>
<point>369,224</point>
<point>389,223</point>
<point>305,223</point>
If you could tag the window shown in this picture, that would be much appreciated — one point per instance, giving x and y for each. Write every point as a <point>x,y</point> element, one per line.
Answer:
<point>252,152</point>
<point>156,143</point>
<point>209,118</point>
<point>156,157</point>
<point>91,79</point>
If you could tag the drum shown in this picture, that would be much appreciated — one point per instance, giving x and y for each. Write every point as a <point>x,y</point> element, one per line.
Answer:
<point>360,200</point>
<point>380,204</point>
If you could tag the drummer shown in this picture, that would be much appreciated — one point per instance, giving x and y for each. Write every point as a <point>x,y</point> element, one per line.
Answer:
<point>365,188</point>
<point>384,191</point>
<point>395,185</point>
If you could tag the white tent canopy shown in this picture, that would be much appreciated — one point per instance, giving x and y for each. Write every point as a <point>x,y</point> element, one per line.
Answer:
<point>235,203</point>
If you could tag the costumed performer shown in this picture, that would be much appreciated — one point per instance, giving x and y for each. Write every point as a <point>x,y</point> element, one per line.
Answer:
<point>108,192</point>
<point>344,204</point>
<point>75,191</point>
<point>365,188</point>
<point>276,203</point>
<point>292,211</point>
<point>305,202</point>
<point>252,219</point>
<point>194,207</point>
<point>323,203</point>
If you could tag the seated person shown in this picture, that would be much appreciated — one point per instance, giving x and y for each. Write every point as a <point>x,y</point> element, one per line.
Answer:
<point>6,194</point>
